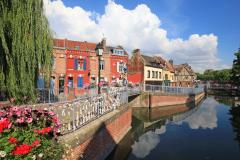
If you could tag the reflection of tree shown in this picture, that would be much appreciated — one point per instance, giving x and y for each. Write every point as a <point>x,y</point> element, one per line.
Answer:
<point>235,121</point>
<point>224,100</point>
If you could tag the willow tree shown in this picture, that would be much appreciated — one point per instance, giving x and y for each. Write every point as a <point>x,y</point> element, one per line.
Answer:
<point>25,48</point>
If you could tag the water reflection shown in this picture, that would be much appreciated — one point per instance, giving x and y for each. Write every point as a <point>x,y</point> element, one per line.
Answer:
<point>235,121</point>
<point>183,132</point>
<point>147,142</point>
<point>205,117</point>
<point>154,124</point>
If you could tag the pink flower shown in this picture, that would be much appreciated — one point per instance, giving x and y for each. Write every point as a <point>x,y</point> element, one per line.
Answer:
<point>18,113</point>
<point>15,109</point>
<point>29,120</point>
<point>2,113</point>
<point>56,121</point>
<point>51,113</point>
<point>20,120</point>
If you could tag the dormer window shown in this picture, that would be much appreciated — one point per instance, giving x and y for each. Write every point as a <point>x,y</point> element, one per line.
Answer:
<point>118,51</point>
<point>77,47</point>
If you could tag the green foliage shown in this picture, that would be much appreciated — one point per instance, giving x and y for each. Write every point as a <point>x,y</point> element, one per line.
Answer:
<point>25,48</point>
<point>236,69</point>
<point>222,76</point>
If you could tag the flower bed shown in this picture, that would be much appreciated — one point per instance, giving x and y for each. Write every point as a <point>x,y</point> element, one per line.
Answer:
<point>29,134</point>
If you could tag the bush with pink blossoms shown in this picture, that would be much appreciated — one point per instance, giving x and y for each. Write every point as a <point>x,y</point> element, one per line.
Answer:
<point>27,133</point>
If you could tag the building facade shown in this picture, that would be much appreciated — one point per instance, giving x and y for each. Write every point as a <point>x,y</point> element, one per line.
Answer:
<point>185,75</point>
<point>154,70</point>
<point>77,72</point>
<point>113,65</point>
<point>58,70</point>
<point>76,65</point>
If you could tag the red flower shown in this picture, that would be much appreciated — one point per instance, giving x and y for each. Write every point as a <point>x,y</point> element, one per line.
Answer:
<point>35,143</point>
<point>4,123</point>
<point>22,149</point>
<point>12,140</point>
<point>43,131</point>
<point>47,130</point>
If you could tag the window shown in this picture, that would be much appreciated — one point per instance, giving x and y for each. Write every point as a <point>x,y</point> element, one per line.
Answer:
<point>160,75</point>
<point>80,82</point>
<point>166,76</point>
<point>121,67</point>
<point>153,74</point>
<point>156,74</point>
<point>101,65</point>
<point>77,47</point>
<point>80,64</point>
<point>118,52</point>
<point>148,75</point>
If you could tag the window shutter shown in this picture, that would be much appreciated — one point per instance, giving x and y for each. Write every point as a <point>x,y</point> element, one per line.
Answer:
<point>80,82</point>
<point>84,64</point>
<point>117,66</point>
<point>75,64</point>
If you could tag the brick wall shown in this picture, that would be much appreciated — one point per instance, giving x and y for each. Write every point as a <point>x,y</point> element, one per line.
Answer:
<point>98,144</point>
<point>160,99</point>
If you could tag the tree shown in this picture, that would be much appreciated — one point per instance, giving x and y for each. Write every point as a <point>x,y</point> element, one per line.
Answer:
<point>236,69</point>
<point>25,48</point>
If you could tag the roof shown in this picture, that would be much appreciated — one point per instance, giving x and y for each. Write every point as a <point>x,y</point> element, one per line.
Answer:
<point>152,61</point>
<point>179,67</point>
<point>90,46</point>
<point>69,44</point>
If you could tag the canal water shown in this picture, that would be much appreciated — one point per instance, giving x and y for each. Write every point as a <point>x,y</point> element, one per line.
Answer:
<point>207,131</point>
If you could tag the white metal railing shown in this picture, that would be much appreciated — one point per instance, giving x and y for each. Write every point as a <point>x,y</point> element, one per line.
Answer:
<point>81,111</point>
<point>172,90</point>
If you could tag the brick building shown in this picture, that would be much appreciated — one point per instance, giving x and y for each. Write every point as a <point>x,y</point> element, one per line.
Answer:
<point>113,65</point>
<point>77,71</point>
<point>149,70</point>
<point>58,69</point>
<point>76,65</point>
<point>185,75</point>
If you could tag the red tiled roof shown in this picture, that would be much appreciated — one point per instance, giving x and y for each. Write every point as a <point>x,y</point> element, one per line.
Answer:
<point>72,44</point>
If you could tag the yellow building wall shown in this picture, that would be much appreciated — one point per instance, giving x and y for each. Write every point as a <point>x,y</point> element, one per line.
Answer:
<point>159,70</point>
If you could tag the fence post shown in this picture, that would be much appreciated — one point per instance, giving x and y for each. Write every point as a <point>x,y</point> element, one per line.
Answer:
<point>73,116</point>
<point>49,96</point>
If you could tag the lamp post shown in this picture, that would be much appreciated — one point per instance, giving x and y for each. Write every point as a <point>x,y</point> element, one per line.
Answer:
<point>99,51</point>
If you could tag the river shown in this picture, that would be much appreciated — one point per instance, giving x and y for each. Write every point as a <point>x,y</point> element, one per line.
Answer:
<point>207,131</point>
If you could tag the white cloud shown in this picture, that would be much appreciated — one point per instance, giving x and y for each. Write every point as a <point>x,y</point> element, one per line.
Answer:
<point>147,142</point>
<point>205,117</point>
<point>137,28</point>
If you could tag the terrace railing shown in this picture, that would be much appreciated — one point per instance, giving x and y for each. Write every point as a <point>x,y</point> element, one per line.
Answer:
<point>173,90</point>
<point>77,113</point>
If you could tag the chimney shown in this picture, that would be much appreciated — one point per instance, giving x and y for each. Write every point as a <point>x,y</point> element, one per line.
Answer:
<point>103,42</point>
<point>136,51</point>
<point>171,62</point>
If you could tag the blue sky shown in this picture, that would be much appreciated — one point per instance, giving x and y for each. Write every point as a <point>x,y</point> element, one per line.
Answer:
<point>182,18</point>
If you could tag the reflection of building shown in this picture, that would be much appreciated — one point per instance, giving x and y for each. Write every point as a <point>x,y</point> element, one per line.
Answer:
<point>150,70</point>
<point>185,75</point>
